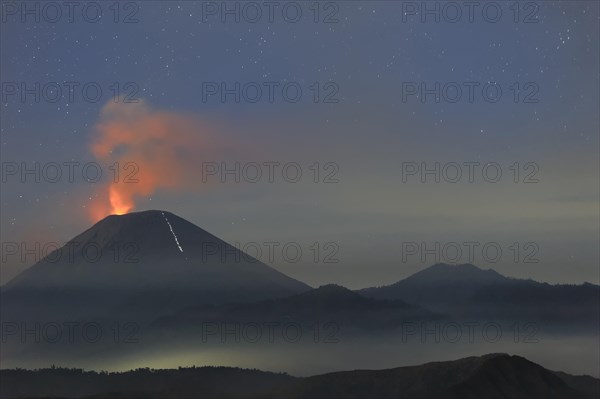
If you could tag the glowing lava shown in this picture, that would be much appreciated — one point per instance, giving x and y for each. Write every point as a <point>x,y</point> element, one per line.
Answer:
<point>146,150</point>
<point>120,204</point>
<point>114,201</point>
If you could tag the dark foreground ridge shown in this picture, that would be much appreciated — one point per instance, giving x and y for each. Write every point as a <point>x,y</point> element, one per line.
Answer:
<point>489,376</point>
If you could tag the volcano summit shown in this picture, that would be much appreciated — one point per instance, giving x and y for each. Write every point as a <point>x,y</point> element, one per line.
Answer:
<point>152,260</point>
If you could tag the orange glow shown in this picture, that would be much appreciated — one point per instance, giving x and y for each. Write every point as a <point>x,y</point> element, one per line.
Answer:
<point>120,204</point>
<point>154,150</point>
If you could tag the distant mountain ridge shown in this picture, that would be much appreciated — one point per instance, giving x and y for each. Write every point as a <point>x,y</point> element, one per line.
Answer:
<point>467,291</point>
<point>489,376</point>
<point>329,304</point>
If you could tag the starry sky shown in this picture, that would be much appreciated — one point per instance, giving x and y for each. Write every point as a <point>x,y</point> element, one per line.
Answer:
<point>354,61</point>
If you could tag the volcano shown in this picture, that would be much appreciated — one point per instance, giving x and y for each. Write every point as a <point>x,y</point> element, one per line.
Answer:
<point>145,262</point>
<point>468,292</point>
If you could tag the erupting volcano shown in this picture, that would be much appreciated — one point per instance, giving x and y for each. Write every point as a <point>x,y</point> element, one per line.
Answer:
<point>146,150</point>
<point>153,252</point>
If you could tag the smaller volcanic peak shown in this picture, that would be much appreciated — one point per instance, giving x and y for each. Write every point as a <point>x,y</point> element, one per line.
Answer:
<point>466,291</point>
<point>330,291</point>
<point>462,273</point>
<point>437,279</point>
<point>330,295</point>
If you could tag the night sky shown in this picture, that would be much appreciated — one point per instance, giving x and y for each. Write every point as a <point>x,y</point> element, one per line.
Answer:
<point>356,123</point>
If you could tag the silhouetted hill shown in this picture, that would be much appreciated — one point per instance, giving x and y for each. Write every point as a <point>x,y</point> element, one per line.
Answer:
<point>466,291</point>
<point>348,310</point>
<point>489,376</point>
<point>456,274</point>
